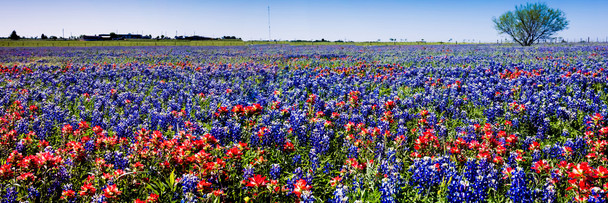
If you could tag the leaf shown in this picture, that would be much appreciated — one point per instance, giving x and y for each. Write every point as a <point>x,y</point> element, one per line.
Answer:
<point>172,179</point>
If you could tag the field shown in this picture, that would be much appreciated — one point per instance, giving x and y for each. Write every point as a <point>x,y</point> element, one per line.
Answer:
<point>282,123</point>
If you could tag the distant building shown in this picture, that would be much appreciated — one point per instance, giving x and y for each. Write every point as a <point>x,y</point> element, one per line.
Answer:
<point>90,38</point>
<point>195,37</point>
<point>113,37</point>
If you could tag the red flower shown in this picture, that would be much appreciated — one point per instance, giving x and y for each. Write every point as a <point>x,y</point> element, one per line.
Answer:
<point>580,171</point>
<point>597,117</point>
<point>152,198</point>
<point>218,193</point>
<point>288,146</point>
<point>311,99</point>
<point>237,109</point>
<point>6,171</point>
<point>67,194</point>
<point>257,181</point>
<point>234,152</point>
<point>335,181</point>
<point>541,166</point>
<point>389,104</point>
<point>604,131</point>
<point>601,172</point>
<point>534,146</point>
<point>498,160</point>
<point>508,172</point>
<point>87,189</point>
<point>97,129</point>
<point>423,113</point>
<point>263,131</point>
<point>111,192</point>
<point>26,177</point>
<point>300,186</point>
<point>83,125</point>
<point>66,129</point>
<point>203,185</point>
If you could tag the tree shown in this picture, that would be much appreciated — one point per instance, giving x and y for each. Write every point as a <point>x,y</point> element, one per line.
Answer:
<point>14,36</point>
<point>43,36</point>
<point>113,35</point>
<point>530,23</point>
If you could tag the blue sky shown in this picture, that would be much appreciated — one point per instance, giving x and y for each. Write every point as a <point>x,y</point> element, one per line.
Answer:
<point>431,20</point>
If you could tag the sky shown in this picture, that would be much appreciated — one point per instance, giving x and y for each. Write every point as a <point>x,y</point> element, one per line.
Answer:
<point>349,20</point>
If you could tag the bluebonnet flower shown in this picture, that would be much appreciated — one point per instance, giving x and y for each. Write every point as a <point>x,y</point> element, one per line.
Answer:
<point>549,192</point>
<point>275,171</point>
<point>189,191</point>
<point>519,191</point>
<point>340,195</point>
<point>388,191</point>
<point>353,151</point>
<point>32,193</point>
<point>428,173</point>
<point>19,147</point>
<point>597,196</point>
<point>10,196</point>
<point>248,172</point>
<point>296,159</point>
<point>120,161</point>
<point>314,159</point>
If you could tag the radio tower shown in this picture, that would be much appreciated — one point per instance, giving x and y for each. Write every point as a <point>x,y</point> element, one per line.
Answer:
<point>269,36</point>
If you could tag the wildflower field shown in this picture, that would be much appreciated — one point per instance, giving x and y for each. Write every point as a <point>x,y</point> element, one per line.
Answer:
<point>279,123</point>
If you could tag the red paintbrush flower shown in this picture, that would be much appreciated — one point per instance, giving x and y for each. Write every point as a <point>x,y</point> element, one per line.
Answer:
<point>580,171</point>
<point>335,180</point>
<point>152,198</point>
<point>6,171</point>
<point>67,194</point>
<point>111,192</point>
<point>87,189</point>
<point>604,131</point>
<point>83,125</point>
<point>66,129</point>
<point>257,181</point>
<point>541,166</point>
<point>389,105</point>
<point>288,146</point>
<point>601,172</point>
<point>300,187</point>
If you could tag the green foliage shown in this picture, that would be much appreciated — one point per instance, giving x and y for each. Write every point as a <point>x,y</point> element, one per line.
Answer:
<point>165,188</point>
<point>531,22</point>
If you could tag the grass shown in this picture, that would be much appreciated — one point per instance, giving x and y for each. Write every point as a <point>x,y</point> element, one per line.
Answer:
<point>73,43</point>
